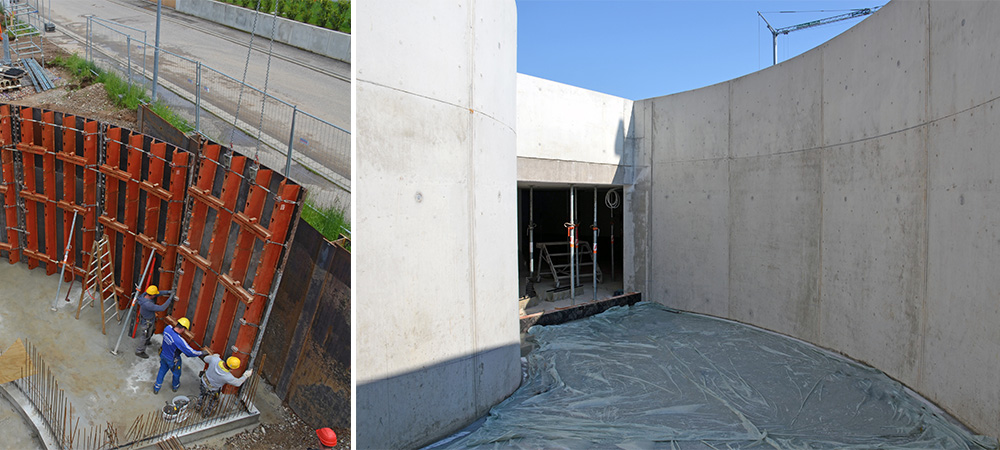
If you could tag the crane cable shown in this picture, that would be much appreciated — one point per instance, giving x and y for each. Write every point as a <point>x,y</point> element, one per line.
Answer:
<point>246,67</point>
<point>267,76</point>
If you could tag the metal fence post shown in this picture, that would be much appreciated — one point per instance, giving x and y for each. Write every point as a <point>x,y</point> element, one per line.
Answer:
<point>197,98</point>
<point>144,45</point>
<point>291,140</point>
<point>128,58</point>
<point>90,44</point>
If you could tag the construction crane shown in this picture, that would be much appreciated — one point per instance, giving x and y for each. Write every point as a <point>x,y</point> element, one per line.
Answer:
<point>854,13</point>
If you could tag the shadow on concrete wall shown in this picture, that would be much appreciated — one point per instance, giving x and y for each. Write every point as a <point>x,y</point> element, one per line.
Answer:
<point>415,408</point>
<point>308,336</point>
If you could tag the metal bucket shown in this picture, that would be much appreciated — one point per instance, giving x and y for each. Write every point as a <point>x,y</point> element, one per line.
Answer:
<point>176,409</point>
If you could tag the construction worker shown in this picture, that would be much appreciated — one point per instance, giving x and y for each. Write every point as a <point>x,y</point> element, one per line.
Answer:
<point>170,353</point>
<point>216,376</point>
<point>327,438</point>
<point>147,316</point>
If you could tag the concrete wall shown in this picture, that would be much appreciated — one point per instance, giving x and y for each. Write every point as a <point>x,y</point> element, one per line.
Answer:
<point>569,135</point>
<point>333,44</point>
<point>847,197</point>
<point>436,273</point>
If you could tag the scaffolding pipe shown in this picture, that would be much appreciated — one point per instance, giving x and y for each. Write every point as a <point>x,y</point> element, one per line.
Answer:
<point>531,232</point>
<point>593,245</point>
<point>135,296</point>
<point>65,258</point>
<point>572,245</point>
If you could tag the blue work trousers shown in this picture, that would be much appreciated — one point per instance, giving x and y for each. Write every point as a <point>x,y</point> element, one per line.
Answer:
<point>174,365</point>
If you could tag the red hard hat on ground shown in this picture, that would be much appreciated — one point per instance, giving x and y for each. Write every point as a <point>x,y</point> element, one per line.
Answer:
<point>327,437</point>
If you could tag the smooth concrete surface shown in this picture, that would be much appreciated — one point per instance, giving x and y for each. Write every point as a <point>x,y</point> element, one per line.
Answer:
<point>436,278</point>
<point>846,197</point>
<point>570,135</point>
<point>329,43</point>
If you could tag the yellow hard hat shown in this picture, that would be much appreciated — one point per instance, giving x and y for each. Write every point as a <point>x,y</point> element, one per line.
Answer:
<point>233,363</point>
<point>184,322</point>
<point>152,290</point>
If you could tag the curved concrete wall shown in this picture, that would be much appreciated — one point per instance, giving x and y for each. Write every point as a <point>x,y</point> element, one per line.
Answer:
<point>848,197</point>
<point>437,332</point>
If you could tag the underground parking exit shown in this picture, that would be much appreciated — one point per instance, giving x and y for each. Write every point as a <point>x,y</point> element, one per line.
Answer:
<point>569,245</point>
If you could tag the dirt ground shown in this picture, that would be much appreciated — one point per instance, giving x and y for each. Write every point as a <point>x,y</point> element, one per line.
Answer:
<point>280,430</point>
<point>89,101</point>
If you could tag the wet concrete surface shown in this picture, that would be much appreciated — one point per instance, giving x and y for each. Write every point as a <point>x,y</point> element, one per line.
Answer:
<point>101,387</point>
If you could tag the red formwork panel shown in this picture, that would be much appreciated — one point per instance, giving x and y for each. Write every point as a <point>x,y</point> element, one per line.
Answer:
<point>113,178</point>
<point>217,248</point>
<point>9,186</point>
<point>28,152</point>
<point>90,154</point>
<point>131,223</point>
<point>175,210</point>
<point>49,184</point>
<point>155,195</point>
<point>281,217</point>
<point>70,160</point>
<point>196,228</point>
<point>248,221</point>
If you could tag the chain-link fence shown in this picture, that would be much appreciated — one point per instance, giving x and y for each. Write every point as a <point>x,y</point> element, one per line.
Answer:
<point>222,107</point>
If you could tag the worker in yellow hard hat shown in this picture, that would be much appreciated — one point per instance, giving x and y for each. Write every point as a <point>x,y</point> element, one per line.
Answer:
<point>170,353</point>
<point>147,316</point>
<point>216,376</point>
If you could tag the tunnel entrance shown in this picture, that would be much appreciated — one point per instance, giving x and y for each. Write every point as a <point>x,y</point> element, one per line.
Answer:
<point>547,262</point>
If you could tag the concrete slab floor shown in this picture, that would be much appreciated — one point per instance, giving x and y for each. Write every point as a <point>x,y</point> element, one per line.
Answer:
<point>101,387</point>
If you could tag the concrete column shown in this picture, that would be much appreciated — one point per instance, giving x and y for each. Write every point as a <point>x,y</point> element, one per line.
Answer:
<point>435,250</point>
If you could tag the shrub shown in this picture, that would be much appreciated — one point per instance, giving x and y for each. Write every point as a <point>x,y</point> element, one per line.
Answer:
<point>334,15</point>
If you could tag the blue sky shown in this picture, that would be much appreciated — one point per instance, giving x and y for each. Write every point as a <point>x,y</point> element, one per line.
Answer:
<point>641,49</point>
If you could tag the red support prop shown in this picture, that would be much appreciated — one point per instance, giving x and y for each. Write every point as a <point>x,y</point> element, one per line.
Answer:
<point>281,217</point>
<point>241,259</point>
<point>28,159</point>
<point>217,249</point>
<point>49,182</point>
<point>9,195</point>
<point>196,227</point>
<point>69,158</point>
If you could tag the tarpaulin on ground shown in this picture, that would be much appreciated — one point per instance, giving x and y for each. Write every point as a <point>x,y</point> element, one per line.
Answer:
<point>646,377</point>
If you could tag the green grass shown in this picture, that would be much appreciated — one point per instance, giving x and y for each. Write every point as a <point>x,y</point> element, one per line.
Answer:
<point>119,91</point>
<point>164,111</point>
<point>81,69</point>
<point>330,222</point>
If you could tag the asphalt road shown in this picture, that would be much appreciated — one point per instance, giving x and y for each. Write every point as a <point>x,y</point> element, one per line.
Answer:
<point>317,84</point>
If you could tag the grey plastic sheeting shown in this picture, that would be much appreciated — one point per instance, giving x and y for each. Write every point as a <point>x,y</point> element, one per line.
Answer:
<point>646,377</point>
